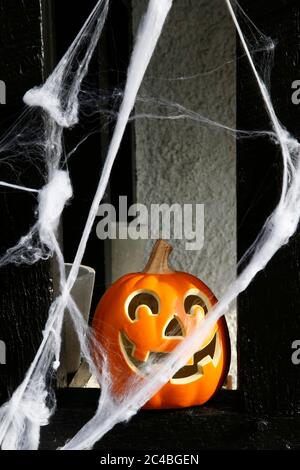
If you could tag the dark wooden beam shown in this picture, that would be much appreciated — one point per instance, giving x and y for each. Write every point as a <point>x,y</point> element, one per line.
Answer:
<point>269,311</point>
<point>25,291</point>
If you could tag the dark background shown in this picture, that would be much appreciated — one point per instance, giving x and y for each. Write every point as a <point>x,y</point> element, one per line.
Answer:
<point>264,412</point>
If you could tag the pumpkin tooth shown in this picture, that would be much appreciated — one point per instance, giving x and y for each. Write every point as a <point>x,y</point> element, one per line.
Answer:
<point>140,354</point>
<point>200,359</point>
<point>190,362</point>
<point>127,347</point>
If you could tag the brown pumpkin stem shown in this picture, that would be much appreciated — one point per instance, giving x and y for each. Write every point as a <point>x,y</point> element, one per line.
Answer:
<point>158,261</point>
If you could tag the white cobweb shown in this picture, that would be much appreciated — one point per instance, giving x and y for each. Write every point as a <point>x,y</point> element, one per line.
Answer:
<point>56,104</point>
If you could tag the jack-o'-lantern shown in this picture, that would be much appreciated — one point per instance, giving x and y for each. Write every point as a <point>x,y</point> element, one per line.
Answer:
<point>144,316</point>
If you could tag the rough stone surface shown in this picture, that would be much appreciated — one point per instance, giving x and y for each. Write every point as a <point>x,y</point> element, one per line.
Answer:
<point>183,161</point>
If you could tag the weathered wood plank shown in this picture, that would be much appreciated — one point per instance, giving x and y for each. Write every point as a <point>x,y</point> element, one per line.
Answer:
<point>269,311</point>
<point>25,291</point>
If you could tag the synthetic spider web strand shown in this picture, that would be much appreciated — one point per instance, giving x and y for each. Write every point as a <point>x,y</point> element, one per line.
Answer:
<point>30,406</point>
<point>149,34</point>
<point>122,411</point>
<point>282,135</point>
<point>277,230</point>
<point>147,37</point>
<point>59,94</point>
<point>179,112</point>
<point>163,109</point>
<point>20,188</point>
<point>58,98</point>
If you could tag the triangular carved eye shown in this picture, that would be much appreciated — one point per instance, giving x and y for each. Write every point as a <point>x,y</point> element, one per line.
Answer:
<point>194,299</point>
<point>142,298</point>
<point>174,328</point>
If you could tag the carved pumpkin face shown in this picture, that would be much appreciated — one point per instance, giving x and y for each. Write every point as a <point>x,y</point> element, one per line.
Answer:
<point>144,316</point>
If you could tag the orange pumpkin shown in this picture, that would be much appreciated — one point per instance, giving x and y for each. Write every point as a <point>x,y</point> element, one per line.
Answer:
<point>143,316</point>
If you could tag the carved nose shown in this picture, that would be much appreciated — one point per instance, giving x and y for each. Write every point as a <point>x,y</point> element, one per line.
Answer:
<point>174,328</point>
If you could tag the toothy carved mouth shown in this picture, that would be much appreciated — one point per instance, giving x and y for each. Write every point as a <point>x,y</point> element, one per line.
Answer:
<point>188,373</point>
